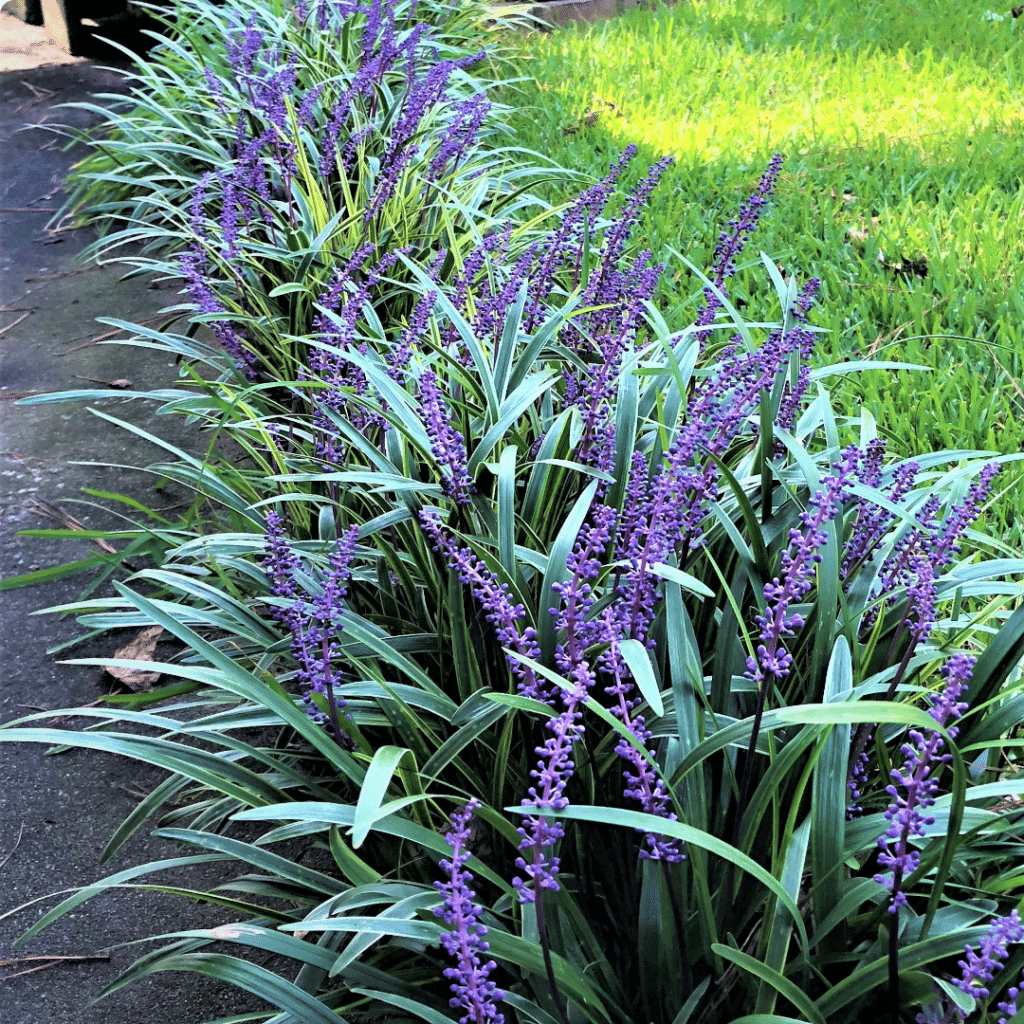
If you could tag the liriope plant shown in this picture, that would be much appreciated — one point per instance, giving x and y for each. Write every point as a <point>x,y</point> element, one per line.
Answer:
<point>587,662</point>
<point>264,148</point>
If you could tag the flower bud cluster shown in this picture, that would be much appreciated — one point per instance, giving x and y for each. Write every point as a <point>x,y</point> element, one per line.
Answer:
<point>467,941</point>
<point>977,970</point>
<point>313,626</point>
<point>772,661</point>
<point>915,785</point>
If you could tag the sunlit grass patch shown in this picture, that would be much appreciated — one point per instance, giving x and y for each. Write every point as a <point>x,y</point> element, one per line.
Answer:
<point>903,127</point>
<point>686,89</point>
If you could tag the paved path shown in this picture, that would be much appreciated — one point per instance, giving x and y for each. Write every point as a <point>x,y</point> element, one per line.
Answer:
<point>57,812</point>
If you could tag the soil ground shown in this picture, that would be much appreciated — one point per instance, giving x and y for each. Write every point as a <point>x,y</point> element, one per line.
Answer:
<point>57,811</point>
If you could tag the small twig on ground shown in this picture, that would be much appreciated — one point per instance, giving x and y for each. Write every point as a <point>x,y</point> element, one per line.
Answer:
<point>4,330</point>
<point>62,518</point>
<point>50,961</point>
<point>28,209</point>
<point>121,382</point>
<point>60,719</point>
<point>57,719</point>
<point>109,334</point>
<point>49,195</point>
<point>17,843</point>
<point>63,273</point>
<point>38,95</point>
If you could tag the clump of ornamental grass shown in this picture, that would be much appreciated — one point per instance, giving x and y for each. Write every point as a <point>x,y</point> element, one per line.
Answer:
<point>584,665</point>
<point>307,136</point>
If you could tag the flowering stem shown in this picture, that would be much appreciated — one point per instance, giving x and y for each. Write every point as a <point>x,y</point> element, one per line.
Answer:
<point>748,764</point>
<point>894,951</point>
<point>866,729</point>
<point>545,948</point>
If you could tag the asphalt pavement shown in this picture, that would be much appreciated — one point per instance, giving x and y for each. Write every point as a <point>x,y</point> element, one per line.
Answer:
<point>57,811</point>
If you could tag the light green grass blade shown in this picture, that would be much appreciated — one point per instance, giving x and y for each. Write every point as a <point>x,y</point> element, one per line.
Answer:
<point>830,796</point>
<point>375,787</point>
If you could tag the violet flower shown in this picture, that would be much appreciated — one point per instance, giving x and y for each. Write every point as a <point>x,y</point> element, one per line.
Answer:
<point>873,521</point>
<point>915,785</point>
<point>555,765</point>
<point>467,941</point>
<point>978,970</point>
<point>312,625</point>
<point>1009,1005</point>
<point>243,46</point>
<point>934,540</point>
<point>565,243</point>
<point>459,135</point>
<point>643,784</point>
<point>732,241</point>
<point>672,505</point>
<point>447,444</point>
<point>208,303</point>
<point>610,627</point>
<point>553,770</point>
<point>495,600</point>
<point>772,661</point>
<point>802,339</point>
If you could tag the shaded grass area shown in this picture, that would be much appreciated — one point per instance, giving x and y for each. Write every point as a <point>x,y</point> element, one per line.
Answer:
<point>903,127</point>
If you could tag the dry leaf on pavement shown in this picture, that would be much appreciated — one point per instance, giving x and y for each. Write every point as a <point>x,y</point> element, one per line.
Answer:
<point>142,648</point>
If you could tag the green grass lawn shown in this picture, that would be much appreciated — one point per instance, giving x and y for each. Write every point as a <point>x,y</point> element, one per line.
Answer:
<point>903,189</point>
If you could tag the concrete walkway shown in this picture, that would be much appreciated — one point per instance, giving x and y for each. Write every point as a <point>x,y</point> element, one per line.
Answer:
<point>57,812</point>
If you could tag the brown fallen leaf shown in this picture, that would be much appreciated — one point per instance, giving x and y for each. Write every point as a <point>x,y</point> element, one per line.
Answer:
<point>142,648</point>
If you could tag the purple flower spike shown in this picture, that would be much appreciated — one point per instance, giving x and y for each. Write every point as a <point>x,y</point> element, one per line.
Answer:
<point>732,241</point>
<point>448,445</point>
<point>914,786</point>
<point>313,626</point>
<point>642,782</point>
<point>1009,1006</point>
<point>466,942</point>
<point>796,576</point>
<point>496,602</point>
<point>980,968</point>
<point>554,769</point>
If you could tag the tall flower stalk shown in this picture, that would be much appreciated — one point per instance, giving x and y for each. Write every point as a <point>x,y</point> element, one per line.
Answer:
<point>772,661</point>
<point>913,790</point>
<point>312,625</point>
<point>472,990</point>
